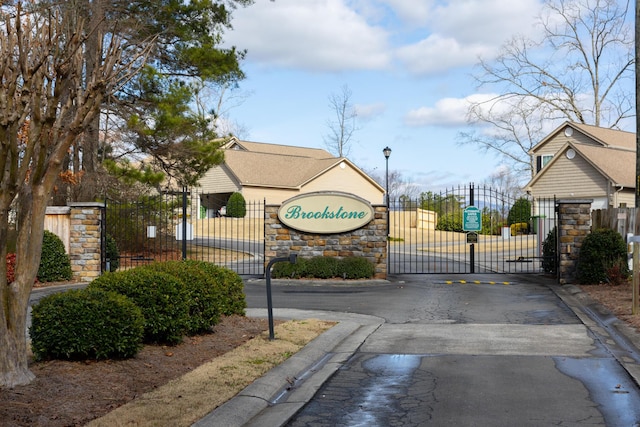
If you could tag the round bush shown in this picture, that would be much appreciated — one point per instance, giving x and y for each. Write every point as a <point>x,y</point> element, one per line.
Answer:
<point>161,297</point>
<point>86,323</point>
<point>229,288</point>
<point>603,253</point>
<point>236,206</point>
<point>205,303</point>
<point>54,261</point>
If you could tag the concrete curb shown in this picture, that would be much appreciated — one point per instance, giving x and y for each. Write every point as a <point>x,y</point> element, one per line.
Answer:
<point>278,395</point>
<point>605,324</point>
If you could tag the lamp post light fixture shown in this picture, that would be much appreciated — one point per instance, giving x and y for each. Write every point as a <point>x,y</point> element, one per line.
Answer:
<point>387,152</point>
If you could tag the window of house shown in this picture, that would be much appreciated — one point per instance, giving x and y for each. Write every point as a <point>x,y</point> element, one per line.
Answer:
<point>541,161</point>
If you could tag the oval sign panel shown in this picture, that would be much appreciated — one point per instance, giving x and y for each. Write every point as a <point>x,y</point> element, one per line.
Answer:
<point>325,212</point>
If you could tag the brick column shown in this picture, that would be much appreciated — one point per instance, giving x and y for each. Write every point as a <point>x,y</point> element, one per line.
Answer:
<point>85,221</point>
<point>369,241</point>
<point>574,224</point>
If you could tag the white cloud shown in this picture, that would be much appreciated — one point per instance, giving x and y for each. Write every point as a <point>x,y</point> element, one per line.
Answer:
<point>369,111</point>
<point>411,11</point>
<point>436,54</point>
<point>319,35</point>
<point>426,36</point>
<point>445,112</point>
<point>463,31</point>
<point>484,21</point>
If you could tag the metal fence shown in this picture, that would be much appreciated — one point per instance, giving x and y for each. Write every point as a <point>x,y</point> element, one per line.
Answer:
<point>187,225</point>
<point>428,234</point>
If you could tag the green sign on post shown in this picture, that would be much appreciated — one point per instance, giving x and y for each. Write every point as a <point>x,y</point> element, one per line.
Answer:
<point>471,219</point>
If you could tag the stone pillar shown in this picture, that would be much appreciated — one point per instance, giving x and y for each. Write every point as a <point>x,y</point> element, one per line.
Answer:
<point>85,251</point>
<point>574,224</point>
<point>369,241</point>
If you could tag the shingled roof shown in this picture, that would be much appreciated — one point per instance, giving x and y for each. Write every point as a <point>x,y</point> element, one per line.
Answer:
<point>276,166</point>
<point>613,155</point>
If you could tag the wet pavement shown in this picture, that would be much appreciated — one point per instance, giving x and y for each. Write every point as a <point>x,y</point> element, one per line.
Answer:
<point>483,353</point>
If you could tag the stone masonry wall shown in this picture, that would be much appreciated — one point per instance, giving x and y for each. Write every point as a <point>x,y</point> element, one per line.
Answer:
<point>574,218</point>
<point>84,240</point>
<point>369,242</point>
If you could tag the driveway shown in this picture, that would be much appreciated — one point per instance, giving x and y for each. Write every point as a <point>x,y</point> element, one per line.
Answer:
<point>489,350</point>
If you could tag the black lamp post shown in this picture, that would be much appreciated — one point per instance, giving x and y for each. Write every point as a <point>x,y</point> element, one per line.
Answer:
<point>387,153</point>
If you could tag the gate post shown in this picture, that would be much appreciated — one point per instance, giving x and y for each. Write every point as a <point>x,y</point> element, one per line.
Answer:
<point>574,223</point>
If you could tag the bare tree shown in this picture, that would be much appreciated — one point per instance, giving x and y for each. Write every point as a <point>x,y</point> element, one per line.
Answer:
<point>44,107</point>
<point>342,128</point>
<point>505,181</point>
<point>575,72</point>
<point>399,186</point>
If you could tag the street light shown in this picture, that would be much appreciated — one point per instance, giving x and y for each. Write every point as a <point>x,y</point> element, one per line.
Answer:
<point>387,153</point>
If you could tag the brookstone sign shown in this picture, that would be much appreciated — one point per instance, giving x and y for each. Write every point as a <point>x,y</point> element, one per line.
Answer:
<point>326,212</point>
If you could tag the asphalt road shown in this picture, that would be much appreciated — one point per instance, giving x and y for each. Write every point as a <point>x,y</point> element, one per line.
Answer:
<point>484,350</point>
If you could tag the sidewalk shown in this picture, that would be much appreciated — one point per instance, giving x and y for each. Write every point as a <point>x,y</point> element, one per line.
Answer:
<point>273,399</point>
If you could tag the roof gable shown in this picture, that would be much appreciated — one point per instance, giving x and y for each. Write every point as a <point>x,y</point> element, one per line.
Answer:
<point>604,137</point>
<point>281,166</point>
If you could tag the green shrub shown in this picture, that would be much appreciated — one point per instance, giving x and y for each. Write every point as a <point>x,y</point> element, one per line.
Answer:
<point>230,288</point>
<point>236,206</point>
<point>54,262</point>
<point>161,297</point>
<point>112,253</point>
<point>322,267</point>
<point>603,251</point>
<point>356,268</point>
<point>549,255</point>
<point>450,222</point>
<point>519,212</point>
<point>205,301</point>
<point>287,270</point>
<point>87,323</point>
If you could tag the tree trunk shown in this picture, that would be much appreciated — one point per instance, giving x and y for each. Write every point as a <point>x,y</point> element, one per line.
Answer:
<point>14,297</point>
<point>14,363</point>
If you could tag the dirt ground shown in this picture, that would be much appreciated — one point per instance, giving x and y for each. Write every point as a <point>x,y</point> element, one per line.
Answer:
<point>618,299</point>
<point>73,393</point>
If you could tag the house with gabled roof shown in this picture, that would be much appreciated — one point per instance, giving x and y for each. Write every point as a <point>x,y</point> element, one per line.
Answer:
<point>578,161</point>
<point>275,173</point>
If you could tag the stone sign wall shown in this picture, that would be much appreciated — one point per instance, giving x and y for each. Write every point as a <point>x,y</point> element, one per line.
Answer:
<point>369,242</point>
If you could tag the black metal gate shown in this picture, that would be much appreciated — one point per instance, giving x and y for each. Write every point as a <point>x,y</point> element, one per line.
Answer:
<point>469,230</point>
<point>187,225</point>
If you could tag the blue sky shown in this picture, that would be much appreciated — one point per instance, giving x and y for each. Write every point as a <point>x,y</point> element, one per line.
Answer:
<point>408,64</point>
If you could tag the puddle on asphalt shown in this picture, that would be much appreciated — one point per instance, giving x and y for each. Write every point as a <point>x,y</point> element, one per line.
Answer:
<point>609,386</point>
<point>391,375</point>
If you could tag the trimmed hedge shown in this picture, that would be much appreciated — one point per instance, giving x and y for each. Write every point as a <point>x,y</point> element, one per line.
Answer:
<point>86,323</point>
<point>236,206</point>
<point>55,264</point>
<point>162,298</point>
<point>603,255</point>
<point>204,294</point>
<point>325,268</point>
<point>229,288</point>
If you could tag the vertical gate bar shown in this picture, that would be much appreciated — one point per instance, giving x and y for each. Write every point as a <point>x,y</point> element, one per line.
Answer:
<point>472,266</point>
